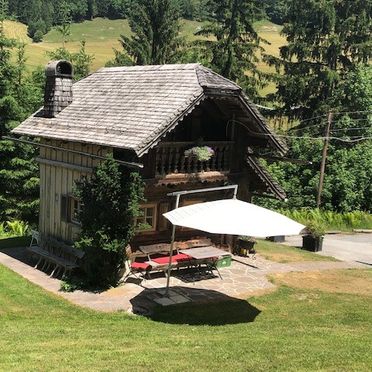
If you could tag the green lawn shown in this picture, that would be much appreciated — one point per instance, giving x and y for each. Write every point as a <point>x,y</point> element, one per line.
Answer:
<point>288,330</point>
<point>283,253</point>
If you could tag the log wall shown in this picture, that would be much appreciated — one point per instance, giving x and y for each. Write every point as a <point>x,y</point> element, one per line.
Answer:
<point>58,172</point>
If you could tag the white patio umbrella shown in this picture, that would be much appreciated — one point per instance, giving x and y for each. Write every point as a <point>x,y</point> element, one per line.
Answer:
<point>234,217</point>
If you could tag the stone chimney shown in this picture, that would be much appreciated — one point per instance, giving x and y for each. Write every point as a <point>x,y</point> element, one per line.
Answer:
<point>58,87</point>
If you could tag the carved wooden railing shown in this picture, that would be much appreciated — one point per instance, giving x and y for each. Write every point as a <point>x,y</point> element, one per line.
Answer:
<point>170,158</point>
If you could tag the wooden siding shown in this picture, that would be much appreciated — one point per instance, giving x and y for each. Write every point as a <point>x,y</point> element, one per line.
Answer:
<point>58,172</point>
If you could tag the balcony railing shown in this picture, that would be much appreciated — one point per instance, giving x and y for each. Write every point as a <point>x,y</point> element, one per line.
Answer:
<point>170,158</point>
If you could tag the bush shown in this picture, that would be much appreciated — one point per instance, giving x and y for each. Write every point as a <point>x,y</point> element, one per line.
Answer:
<point>37,29</point>
<point>15,228</point>
<point>111,200</point>
<point>38,36</point>
<point>331,220</point>
<point>315,229</point>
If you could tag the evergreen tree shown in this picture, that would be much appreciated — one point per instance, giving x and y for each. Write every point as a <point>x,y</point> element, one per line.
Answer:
<point>92,9</point>
<point>112,194</point>
<point>18,99</point>
<point>326,40</point>
<point>347,185</point>
<point>155,32</point>
<point>276,10</point>
<point>64,21</point>
<point>232,44</point>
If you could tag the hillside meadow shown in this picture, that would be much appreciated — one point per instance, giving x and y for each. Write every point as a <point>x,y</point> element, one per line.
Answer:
<point>102,36</point>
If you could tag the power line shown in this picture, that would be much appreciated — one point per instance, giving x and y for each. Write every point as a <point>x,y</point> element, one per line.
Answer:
<point>352,112</point>
<point>351,139</point>
<point>357,138</point>
<point>353,128</point>
<point>325,115</point>
<point>324,122</point>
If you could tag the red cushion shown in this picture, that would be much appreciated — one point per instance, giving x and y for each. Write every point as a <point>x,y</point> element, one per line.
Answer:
<point>140,266</point>
<point>176,258</point>
<point>163,260</point>
<point>180,257</point>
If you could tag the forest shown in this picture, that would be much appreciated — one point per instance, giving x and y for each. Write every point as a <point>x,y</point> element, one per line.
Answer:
<point>42,15</point>
<point>323,68</point>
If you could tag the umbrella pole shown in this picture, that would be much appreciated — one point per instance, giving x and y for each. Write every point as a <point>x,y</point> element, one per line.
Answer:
<point>171,250</point>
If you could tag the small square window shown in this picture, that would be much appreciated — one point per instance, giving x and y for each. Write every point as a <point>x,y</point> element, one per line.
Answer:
<point>146,221</point>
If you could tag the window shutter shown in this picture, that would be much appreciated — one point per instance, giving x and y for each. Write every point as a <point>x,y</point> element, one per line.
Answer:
<point>163,222</point>
<point>64,208</point>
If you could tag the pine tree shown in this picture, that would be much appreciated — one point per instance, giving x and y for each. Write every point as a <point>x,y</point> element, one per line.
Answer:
<point>92,9</point>
<point>155,27</point>
<point>18,99</point>
<point>64,21</point>
<point>232,43</point>
<point>326,40</point>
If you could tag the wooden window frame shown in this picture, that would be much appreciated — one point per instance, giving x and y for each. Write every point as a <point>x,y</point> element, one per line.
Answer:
<point>72,219</point>
<point>68,208</point>
<point>154,217</point>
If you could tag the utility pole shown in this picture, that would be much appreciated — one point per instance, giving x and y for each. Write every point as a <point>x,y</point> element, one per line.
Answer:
<point>324,158</point>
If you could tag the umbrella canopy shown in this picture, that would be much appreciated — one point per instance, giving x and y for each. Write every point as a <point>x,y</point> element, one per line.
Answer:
<point>234,217</point>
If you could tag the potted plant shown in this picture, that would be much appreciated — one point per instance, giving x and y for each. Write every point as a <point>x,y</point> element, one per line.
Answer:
<point>200,153</point>
<point>245,246</point>
<point>313,238</point>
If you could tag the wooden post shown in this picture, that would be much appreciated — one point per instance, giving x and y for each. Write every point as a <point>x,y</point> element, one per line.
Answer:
<point>324,159</point>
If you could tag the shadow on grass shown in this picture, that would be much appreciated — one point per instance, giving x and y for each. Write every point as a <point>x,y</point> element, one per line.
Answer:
<point>206,307</point>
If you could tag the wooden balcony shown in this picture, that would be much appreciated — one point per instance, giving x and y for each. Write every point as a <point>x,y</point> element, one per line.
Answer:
<point>171,159</point>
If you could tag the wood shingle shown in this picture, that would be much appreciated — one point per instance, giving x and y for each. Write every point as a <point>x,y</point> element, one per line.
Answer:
<point>133,107</point>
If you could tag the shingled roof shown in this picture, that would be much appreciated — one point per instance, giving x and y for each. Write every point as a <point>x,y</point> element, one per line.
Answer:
<point>133,107</point>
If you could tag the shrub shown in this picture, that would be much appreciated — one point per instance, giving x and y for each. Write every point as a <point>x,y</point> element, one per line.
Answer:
<point>111,200</point>
<point>3,232</point>
<point>36,30</point>
<point>315,229</point>
<point>331,220</point>
<point>38,36</point>
<point>17,228</point>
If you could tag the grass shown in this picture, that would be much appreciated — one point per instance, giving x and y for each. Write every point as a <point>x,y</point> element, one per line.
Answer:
<point>358,282</point>
<point>101,36</point>
<point>284,254</point>
<point>288,330</point>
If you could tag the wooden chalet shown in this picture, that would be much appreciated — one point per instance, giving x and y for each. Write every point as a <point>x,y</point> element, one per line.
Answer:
<point>148,115</point>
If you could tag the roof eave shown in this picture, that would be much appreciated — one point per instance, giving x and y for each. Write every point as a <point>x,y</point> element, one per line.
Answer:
<point>272,186</point>
<point>156,139</point>
<point>277,144</point>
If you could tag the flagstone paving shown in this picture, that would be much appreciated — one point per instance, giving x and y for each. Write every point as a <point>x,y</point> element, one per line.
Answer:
<point>245,277</point>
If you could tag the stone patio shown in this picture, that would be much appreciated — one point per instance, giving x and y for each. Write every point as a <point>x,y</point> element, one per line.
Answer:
<point>244,278</point>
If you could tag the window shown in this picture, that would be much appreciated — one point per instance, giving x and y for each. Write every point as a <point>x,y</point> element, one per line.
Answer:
<point>146,221</point>
<point>75,209</point>
<point>70,209</point>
